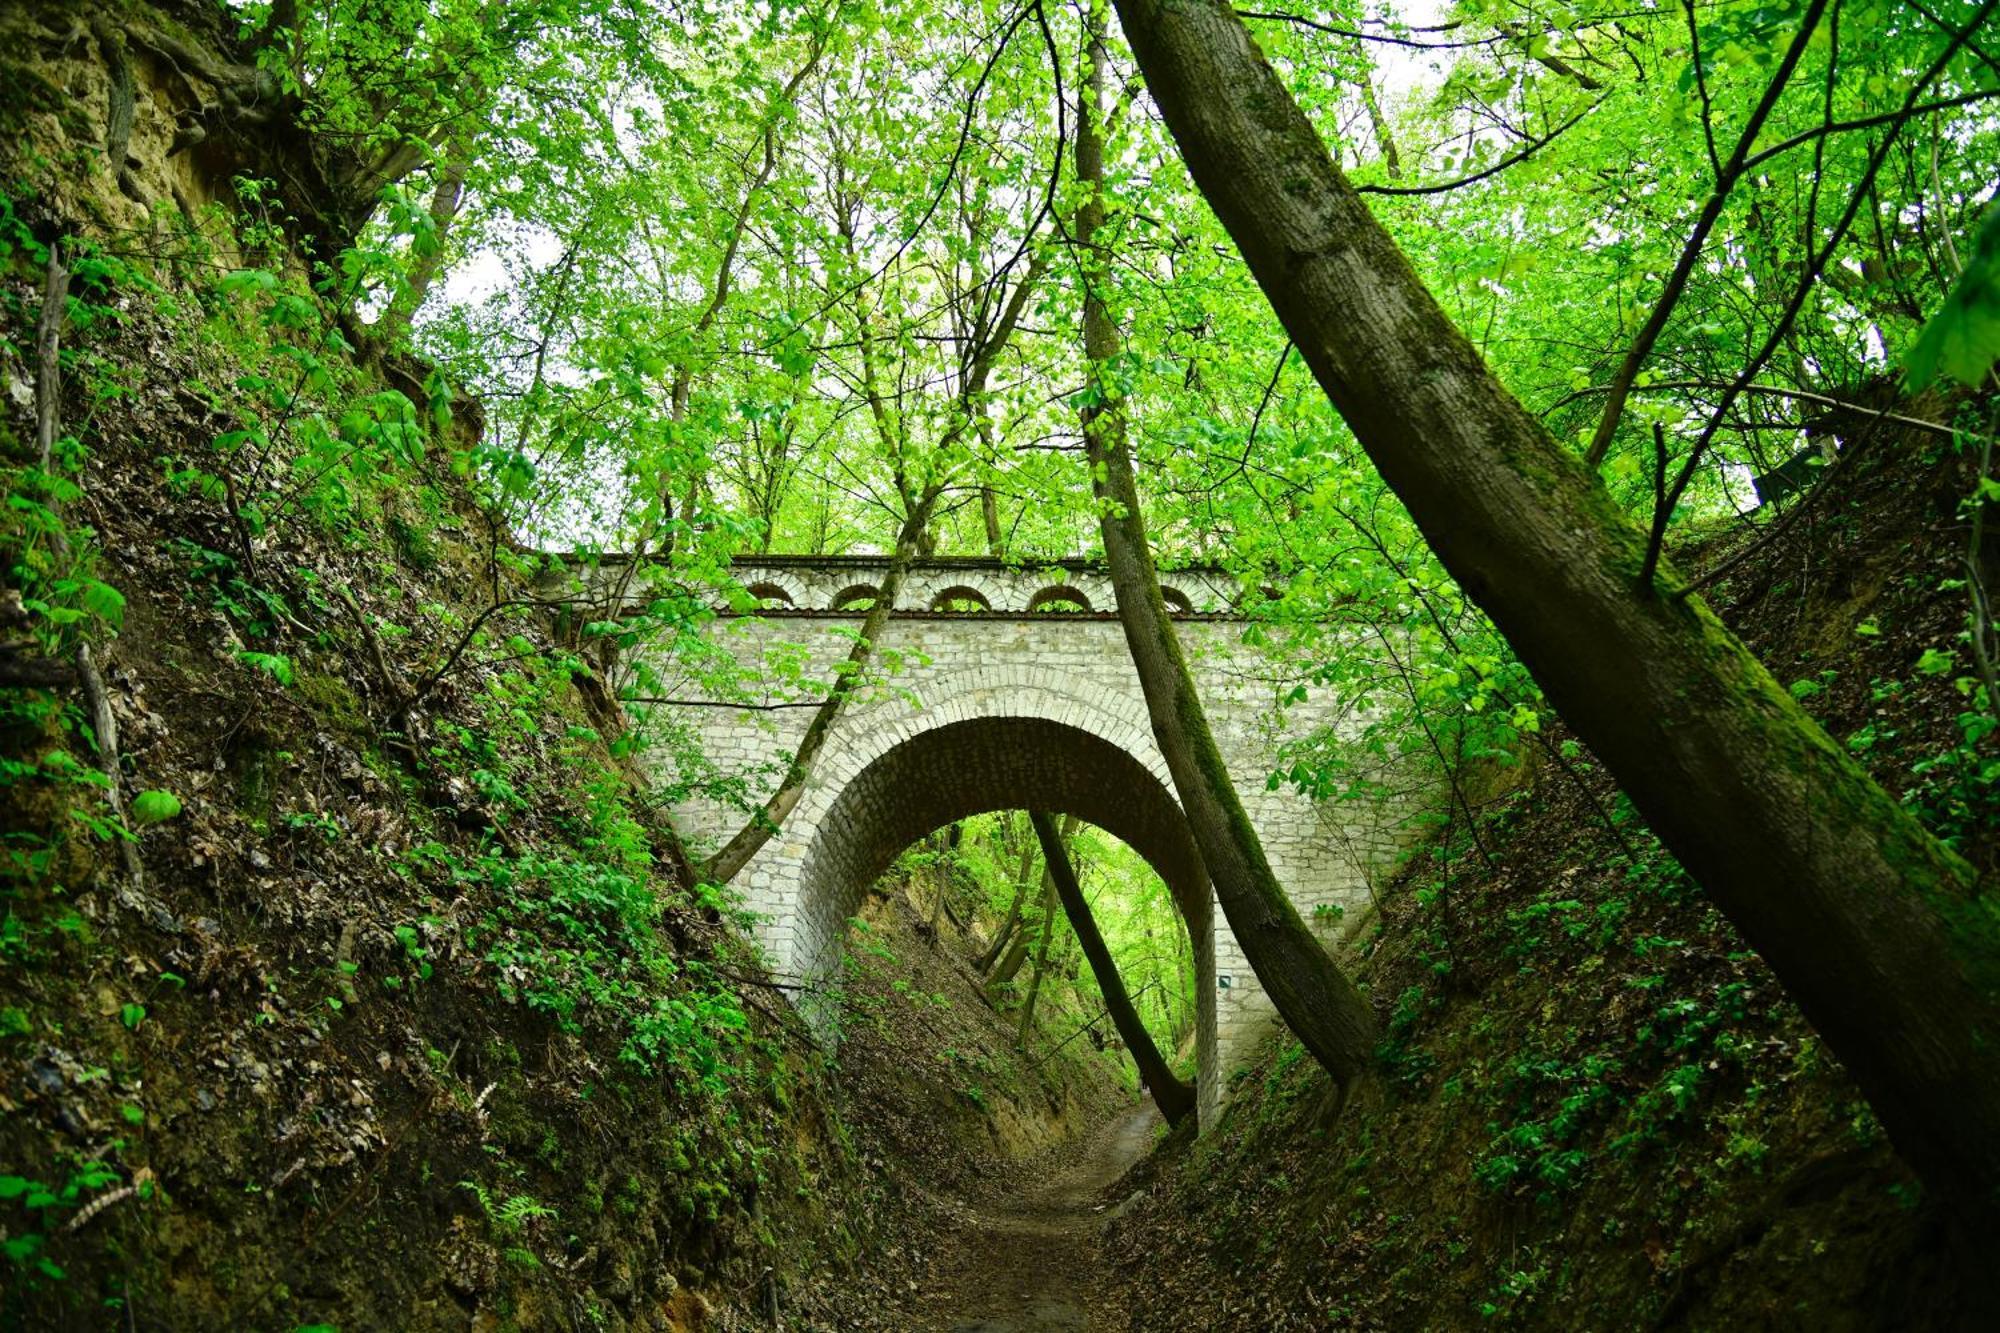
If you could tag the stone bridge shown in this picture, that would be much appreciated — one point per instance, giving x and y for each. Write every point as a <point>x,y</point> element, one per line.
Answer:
<point>997,688</point>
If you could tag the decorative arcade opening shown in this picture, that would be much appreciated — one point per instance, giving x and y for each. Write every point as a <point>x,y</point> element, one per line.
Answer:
<point>998,688</point>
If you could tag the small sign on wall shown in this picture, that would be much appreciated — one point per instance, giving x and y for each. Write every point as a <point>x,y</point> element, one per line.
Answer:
<point>1223,981</point>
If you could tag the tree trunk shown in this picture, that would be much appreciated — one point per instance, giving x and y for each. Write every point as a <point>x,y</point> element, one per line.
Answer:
<point>1024,939</point>
<point>1174,1098</point>
<point>939,875</point>
<point>1873,926</point>
<point>1009,965</point>
<point>1001,938</point>
<point>1385,139</point>
<point>1322,1006</point>
<point>989,514</point>
<point>1007,927</point>
<point>1041,962</point>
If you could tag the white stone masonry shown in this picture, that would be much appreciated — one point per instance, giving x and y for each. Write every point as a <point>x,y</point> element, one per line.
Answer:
<point>1026,698</point>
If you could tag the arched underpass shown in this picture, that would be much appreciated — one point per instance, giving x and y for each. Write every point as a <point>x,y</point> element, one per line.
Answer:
<point>959,769</point>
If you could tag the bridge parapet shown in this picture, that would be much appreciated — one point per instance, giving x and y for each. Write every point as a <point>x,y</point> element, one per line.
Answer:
<point>969,586</point>
<point>959,585</point>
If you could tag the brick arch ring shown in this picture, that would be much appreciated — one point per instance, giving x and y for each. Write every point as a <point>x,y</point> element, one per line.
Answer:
<point>983,740</point>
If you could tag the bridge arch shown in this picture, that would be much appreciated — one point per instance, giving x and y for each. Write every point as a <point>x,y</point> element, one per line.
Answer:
<point>1059,597</point>
<point>961,597</point>
<point>771,594</point>
<point>985,740</point>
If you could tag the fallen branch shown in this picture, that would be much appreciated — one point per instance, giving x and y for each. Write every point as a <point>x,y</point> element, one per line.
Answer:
<point>392,679</point>
<point>98,1205</point>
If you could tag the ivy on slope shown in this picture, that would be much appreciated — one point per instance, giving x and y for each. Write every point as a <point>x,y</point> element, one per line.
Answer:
<point>1595,1107</point>
<point>413,971</point>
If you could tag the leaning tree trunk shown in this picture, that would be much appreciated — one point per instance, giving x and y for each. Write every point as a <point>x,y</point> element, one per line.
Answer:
<point>1324,1009</point>
<point>1875,928</point>
<point>1174,1098</point>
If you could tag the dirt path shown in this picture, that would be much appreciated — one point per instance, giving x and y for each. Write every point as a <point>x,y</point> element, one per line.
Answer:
<point>1030,1264</point>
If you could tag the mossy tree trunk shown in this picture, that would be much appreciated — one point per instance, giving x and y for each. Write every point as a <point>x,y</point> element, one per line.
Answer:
<point>1174,1098</point>
<point>1876,929</point>
<point>1323,1007</point>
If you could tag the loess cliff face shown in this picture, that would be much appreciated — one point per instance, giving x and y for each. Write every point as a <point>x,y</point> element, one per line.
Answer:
<point>411,1014</point>
<point>164,118</point>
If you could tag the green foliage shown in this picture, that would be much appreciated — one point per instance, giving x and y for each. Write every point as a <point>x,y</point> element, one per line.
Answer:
<point>275,665</point>
<point>745,262</point>
<point>577,940</point>
<point>1962,340</point>
<point>1408,1063</point>
<point>155,807</point>
<point>28,1237</point>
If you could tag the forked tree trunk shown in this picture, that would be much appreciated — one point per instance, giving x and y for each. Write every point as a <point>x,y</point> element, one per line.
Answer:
<point>1874,927</point>
<point>1323,1008</point>
<point>1010,962</point>
<point>1174,1098</point>
<point>1007,927</point>
<point>1041,968</point>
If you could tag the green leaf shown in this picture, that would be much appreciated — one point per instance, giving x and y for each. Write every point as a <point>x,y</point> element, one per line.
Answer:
<point>247,281</point>
<point>154,807</point>
<point>276,665</point>
<point>103,601</point>
<point>132,1015</point>
<point>1962,340</point>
